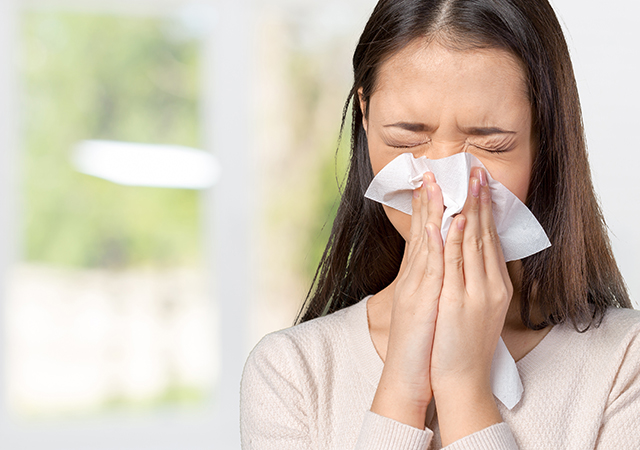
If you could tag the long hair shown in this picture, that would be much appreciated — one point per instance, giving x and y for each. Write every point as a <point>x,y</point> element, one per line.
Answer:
<point>575,279</point>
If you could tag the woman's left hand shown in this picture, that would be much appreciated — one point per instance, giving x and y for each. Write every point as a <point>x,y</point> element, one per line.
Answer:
<point>472,307</point>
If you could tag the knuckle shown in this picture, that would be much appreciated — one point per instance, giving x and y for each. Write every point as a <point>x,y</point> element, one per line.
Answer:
<point>454,261</point>
<point>415,199</point>
<point>475,243</point>
<point>454,237</point>
<point>509,293</point>
<point>490,234</point>
<point>501,294</point>
<point>415,232</point>
<point>485,197</point>
<point>434,270</point>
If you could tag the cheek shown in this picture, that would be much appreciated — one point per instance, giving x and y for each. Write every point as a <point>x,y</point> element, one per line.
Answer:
<point>380,156</point>
<point>520,188</point>
<point>515,180</point>
<point>513,170</point>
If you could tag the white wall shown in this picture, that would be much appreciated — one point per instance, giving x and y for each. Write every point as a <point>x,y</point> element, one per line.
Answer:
<point>604,39</point>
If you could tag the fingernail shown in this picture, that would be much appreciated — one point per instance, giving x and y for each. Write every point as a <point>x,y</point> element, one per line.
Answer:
<point>416,193</point>
<point>461,221</point>
<point>475,187</point>
<point>483,177</point>
<point>429,232</point>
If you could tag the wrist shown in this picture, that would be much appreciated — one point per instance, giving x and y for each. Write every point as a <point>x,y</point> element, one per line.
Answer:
<point>411,389</point>
<point>464,411</point>
<point>463,388</point>
<point>401,403</point>
<point>400,410</point>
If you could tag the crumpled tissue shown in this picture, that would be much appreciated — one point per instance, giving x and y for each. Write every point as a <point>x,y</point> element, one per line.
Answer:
<point>521,235</point>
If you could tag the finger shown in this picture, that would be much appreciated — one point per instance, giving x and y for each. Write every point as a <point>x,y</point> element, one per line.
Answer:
<point>415,232</point>
<point>417,245</point>
<point>472,248</point>
<point>433,275</point>
<point>453,260</point>
<point>492,251</point>
<point>417,263</point>
<point>424,199</point>
<point>435,201</point>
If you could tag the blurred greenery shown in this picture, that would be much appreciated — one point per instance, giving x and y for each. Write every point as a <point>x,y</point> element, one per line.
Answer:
<point>325,204</point>
<point>317,102</point>
<point>114,78</point>
<point>135,79</point>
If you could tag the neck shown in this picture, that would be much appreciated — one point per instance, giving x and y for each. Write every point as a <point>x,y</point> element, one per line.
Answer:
<point>513,320</point>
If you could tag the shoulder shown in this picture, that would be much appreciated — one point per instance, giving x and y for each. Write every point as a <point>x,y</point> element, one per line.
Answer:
<point>612,349</point>
<point>307,337</point>
<point>282,384</point>
<point>620,327</point>
<point>622,319</point>
<point>595,356</point>
<point>617,344</point>
<point>303,349</point>
<point>620,333</point>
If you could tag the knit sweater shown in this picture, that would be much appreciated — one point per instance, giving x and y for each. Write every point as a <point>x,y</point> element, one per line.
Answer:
<point>311,387</point>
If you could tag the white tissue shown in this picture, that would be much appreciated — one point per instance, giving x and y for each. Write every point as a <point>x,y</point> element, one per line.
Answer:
<point>506,384</point>
<point>521,235</point>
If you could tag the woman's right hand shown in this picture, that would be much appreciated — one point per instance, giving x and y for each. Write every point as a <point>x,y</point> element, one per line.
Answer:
<point>404,391</point>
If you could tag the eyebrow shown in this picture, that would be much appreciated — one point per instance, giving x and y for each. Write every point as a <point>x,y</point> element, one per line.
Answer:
<point>417,127</point>
<point>411,126</point>
<point>488,131</point>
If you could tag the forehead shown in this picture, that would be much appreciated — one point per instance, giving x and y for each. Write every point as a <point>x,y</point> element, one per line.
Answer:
<point>428,80</point>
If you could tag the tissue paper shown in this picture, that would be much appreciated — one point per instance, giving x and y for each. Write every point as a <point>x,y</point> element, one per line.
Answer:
<point>506,384</point>
<point>521,235</point>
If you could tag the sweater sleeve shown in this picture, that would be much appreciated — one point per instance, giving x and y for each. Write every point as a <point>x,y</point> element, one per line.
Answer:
<point>382,433</point>
<point>276,406</point>
<point>495,437</point>
<point>620,426</point>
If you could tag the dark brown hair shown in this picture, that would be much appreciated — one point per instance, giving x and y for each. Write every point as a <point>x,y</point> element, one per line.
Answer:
<point>577,277</point>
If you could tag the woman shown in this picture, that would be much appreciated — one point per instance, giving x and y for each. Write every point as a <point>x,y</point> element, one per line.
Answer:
<point>394,346</point>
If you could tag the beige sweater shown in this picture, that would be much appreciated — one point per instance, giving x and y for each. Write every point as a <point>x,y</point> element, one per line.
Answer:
<point>311,386</point>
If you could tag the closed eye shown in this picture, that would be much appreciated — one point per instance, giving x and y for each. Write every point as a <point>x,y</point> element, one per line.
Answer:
<point>417,144</point>
<point>492,149</point>
<point>405,146</point>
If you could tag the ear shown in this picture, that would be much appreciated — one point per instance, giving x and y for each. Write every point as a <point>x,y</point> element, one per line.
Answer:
<point>363,110</point>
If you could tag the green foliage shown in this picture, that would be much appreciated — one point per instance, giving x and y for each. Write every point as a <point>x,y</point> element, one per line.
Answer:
<point>115,78</point>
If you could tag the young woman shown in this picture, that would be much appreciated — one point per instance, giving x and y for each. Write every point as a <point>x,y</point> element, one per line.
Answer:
<point>393,348</point>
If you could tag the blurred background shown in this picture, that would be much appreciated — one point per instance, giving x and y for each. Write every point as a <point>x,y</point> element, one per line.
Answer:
<point>168,178</point>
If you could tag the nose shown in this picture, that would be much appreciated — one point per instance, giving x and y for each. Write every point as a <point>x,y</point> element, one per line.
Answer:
<point>438,149</point>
